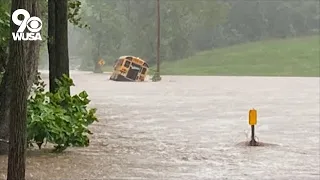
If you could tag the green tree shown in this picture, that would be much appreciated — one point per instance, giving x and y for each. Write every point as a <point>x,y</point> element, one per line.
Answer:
<point>4,32</point>
<point>128,27</point>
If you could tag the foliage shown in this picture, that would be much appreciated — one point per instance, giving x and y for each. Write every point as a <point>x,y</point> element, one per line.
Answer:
<point>1,76</point>
<point>59,118</point>
<point>289,57</point>
<point>74,7</point>
<point>156,77</point>
<point>128,27</point>
<point>4,25</point>
<point>74,10</point>
<point>4,32</point>
<point>187,27</point>
<point>258,20</point>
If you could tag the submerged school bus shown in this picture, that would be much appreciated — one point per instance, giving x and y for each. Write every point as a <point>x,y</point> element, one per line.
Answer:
<point>129,68</point>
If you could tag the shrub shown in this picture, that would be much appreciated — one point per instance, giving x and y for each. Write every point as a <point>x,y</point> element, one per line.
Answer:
<point>59,118</point>
<point>156,77</point>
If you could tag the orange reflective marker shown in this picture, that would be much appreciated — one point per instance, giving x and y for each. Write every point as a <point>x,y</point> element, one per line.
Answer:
<point>252,117</point>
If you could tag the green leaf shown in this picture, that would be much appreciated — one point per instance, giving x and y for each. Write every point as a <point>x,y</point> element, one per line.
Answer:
<point>59,118</point>
<point>83,94</point>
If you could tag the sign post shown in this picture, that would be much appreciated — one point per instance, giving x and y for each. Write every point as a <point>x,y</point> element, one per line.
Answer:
<point>156,77</point>
<point>252,123</point>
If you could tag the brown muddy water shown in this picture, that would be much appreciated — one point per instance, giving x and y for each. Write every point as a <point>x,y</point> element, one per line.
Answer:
<point>191,128</point>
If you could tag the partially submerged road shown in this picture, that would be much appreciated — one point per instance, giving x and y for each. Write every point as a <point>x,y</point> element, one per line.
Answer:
<point>190,128</point>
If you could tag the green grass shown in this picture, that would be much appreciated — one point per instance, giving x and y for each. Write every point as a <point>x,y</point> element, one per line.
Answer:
<point>290,57</point>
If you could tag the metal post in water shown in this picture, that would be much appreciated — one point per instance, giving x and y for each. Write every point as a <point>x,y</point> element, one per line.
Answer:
<point>158,34</point>
<point>253,141</point>
<point>156,76</point>
<point>252,123</point>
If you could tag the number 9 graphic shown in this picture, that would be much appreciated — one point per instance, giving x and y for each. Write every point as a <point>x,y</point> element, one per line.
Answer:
<point>34,24</point>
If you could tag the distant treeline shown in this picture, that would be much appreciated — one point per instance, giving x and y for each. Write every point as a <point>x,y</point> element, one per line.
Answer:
<point>126,27</point>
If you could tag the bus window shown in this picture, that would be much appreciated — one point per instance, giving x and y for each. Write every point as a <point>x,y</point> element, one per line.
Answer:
<point>126,64</point>
<point>143,70</point>
<point>136,66</point>
<point>119,63</point>
<point>145,64</point>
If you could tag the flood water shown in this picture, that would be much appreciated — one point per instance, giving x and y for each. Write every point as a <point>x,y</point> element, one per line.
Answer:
<point>189,128</point>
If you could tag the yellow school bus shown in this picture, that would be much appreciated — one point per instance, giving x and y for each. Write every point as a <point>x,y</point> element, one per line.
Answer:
<point>129,68</point>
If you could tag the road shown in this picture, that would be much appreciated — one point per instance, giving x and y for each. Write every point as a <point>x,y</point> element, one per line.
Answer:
<point>189,128</point>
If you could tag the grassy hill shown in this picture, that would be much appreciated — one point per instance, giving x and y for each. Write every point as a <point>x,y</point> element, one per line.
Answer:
<point>290,57</point>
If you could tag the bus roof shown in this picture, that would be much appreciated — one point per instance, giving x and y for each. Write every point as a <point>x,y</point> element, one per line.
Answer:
<point>124,57</point>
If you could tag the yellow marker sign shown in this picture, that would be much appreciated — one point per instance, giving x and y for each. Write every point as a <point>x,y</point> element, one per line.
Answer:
<point>101,62</point>
<point>253,117</point>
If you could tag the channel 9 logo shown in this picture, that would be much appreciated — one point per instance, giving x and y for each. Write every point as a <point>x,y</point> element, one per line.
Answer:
<point>33,24</point>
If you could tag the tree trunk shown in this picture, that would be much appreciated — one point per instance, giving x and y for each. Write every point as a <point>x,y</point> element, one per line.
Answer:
<point>51,44</point>
<point>18,113</point>
<point>33,49</point>
<point>32,59</point>
<point>62,53</point>
<point>58,48</point>
<point>96,57</point>
<point>3,59</point>
<point>97,66</point>
<point>5,89</point>
<point>4,102</point>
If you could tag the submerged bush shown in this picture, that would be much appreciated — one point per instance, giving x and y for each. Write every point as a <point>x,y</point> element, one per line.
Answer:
<point>59,118</point>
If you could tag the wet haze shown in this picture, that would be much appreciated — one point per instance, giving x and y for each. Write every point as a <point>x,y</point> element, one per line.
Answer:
<point>188,127</point>
<point>128,27</point>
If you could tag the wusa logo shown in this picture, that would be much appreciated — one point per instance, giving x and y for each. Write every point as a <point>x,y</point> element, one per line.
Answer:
<point>34,25</point>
